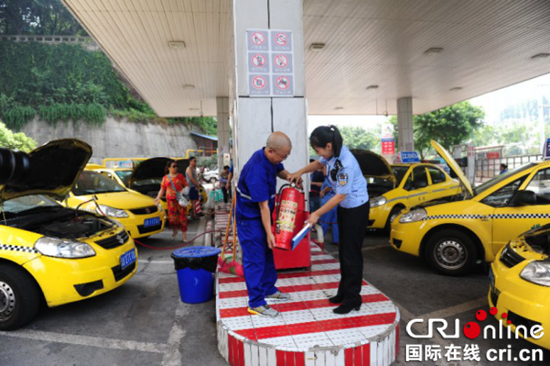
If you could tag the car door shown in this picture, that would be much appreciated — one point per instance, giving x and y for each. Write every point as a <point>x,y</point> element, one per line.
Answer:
<point>439,186</point>
<point>421,186</point>
<point>511,220</point>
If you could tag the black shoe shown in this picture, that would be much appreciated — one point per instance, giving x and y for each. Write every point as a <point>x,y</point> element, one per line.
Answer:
<point>336,299</point>
<point>344,308</point>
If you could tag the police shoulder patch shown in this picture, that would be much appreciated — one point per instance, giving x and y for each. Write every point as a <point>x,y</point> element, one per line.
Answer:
<point>343,179</point>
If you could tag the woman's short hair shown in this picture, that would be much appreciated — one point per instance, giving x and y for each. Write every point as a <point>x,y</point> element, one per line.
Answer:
<point>168,165</point>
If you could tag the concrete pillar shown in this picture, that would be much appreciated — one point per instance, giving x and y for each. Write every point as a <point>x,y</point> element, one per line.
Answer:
<point>254,118</point>
<point>224,129</point>
<point>405,124</point>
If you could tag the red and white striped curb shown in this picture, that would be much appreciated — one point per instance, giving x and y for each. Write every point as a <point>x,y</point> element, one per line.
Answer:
<point>306,332</point>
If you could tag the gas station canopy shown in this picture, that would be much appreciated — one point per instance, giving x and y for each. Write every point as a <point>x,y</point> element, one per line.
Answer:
<point>360,55</point>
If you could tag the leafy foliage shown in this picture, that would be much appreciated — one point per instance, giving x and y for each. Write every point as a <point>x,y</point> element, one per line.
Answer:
<point>37,17</point>
<point>448,126</point>
<point>15,141</point>
<point>359,138</point>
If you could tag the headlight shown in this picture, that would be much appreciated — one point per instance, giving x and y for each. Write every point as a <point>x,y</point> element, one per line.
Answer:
<point>63,248</point>
<point>537,272</point>
<point>378,201</point>
<point>112,212</point>
<point>413,216</point>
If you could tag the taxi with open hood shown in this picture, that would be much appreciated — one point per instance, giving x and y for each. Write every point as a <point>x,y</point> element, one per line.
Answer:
<point>138,213</point>
<point>520,285</point>
<point>454,236</point>
<point>396,187</point>
<point>50,252</point>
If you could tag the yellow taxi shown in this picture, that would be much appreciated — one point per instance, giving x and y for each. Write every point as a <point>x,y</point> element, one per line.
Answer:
<point>393,188</point>
<point>520,285</point>
<point>456,235</point>
<point>138,213</point>
<point>52,253</point>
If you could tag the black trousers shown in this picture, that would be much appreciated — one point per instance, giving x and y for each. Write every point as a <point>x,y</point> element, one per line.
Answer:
<point>352,223</point>
<point>225,194</point>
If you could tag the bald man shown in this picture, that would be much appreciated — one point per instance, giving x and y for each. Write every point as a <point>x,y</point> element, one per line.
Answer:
<point>255,202</point>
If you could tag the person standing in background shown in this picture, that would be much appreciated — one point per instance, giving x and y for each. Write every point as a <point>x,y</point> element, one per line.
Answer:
<point>224,180</point>
<point>317,179</point>
<point>330,219</point>
<point>194,185</point>
<point>177,215</point>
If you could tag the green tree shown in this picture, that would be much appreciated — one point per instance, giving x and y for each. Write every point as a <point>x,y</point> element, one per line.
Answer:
<point>359,138</point>
<point>448,126</point>
<point>15,141</point>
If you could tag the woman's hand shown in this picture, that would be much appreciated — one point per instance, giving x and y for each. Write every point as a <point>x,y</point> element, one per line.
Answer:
<point>295,178</point>
<point>313,218</point>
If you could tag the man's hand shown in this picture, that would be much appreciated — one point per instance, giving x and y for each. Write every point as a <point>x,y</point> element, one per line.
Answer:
<point>227,186</point>
<point>270,240</point>
<point>322,194</point>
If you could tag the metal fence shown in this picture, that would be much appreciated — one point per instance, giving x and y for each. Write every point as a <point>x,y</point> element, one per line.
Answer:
<point>87,42</point>
<point>489,168</point>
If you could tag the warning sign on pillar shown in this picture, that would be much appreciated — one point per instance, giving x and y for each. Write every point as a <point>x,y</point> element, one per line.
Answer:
<point>282,63</point>
<point>281,41</point>
<point>283,85</point>
<point>259,85</point>
<point>257,40</point>
<point>258,62</point>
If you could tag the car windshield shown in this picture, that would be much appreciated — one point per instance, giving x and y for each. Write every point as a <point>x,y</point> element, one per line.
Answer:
<point>95,183</point>
<point>124,176</point>
<point>499,178</point>
<point>27,203</point>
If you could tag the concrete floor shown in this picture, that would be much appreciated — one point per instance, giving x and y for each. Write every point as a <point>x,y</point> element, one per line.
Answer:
<point>145,323</point>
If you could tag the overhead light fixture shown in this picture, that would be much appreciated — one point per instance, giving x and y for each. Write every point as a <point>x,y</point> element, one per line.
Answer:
<point>339,108</point>
<point>316,47</point>
<point>194,109</point>
<point>188,86</point>
<point>176,45</point>
<point>371,87</point>
<point>456,88</point>
<point>540,55</point>
<point>433,50</point>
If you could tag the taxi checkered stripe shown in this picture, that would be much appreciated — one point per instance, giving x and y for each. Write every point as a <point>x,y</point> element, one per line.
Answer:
<point>497,216</point>
<point>17,248</point>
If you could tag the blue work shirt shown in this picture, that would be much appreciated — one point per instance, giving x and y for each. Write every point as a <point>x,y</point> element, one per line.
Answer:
<point>257,183</point>
<point>329,194</point>
<point>349,178</point>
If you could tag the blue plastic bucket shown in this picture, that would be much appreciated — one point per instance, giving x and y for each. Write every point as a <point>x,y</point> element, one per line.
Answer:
<point>196,285</point>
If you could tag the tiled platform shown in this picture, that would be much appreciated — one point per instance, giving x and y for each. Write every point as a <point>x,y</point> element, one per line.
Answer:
<point>307,332</point>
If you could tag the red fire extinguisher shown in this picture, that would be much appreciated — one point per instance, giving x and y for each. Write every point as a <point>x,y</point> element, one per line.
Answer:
<point>290,201</point>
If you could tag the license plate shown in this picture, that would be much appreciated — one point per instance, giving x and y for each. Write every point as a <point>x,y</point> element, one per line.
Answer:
<point>155,221</point>
<point>127,258</point>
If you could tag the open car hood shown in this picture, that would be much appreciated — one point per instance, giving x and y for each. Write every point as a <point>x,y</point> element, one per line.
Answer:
<point>54,169</point>
<point>373,165</point>
<point>154,169</point>
<point>453,165</point>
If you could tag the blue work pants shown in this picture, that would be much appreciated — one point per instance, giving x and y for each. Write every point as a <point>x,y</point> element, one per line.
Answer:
<point>259,267</point>
<point>330,220</point>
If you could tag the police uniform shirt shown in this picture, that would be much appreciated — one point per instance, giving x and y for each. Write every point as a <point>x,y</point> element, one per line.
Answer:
<point>345,177</point>
<point>257,183</point>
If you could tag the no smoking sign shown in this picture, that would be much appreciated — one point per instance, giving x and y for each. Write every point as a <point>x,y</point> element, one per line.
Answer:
<point>282,63</point>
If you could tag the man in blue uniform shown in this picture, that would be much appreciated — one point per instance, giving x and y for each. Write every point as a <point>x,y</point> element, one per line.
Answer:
<point>255,202</point>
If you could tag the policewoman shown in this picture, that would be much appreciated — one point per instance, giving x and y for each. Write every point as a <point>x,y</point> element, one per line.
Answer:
<point>255,203</point>
<point>352,201</point>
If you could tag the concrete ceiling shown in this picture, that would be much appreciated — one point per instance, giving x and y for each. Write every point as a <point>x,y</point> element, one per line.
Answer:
<point>486,45</point>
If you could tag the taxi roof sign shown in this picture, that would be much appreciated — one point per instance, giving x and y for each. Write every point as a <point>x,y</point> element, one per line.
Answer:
<point>409,157</point>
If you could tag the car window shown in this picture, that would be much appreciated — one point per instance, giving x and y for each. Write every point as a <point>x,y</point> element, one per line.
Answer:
<point>437,175</point>
<point>95,183</point>
<point>124,176</point>
<point>540,184</point>
<point>499,178</point>
<point>399,172</point>
<point>502,197</point>
<point>420,178</point>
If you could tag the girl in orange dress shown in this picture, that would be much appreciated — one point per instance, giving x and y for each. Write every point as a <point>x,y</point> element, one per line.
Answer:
<point>177,215</point>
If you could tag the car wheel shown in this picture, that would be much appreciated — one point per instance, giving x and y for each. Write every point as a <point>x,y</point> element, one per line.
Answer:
<point>19,297</point>
<point>451,252</point>
<point>393,214</point>
<point>213,180</point>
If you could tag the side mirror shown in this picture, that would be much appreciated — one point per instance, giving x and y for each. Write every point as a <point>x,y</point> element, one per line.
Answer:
<point>524,198</point>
